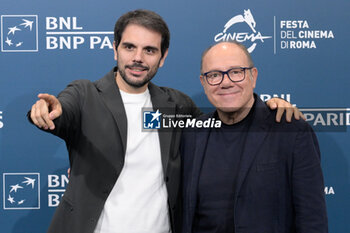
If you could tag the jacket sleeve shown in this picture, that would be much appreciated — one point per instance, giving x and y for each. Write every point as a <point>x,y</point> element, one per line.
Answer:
<point>308,185</point>
<point>71,99</point>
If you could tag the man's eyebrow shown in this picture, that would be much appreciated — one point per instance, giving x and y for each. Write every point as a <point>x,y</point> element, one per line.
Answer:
<point>128,44</point>
<point>151,48</point>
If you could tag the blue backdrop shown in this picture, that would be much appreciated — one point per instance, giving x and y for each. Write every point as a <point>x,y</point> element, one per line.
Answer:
<point>301,49</point>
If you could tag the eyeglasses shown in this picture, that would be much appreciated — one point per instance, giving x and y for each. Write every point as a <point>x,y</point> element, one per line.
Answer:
<point>236,74</point>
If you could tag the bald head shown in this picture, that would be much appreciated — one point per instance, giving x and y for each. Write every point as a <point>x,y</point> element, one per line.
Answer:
<point>230,47</point>
<point>232,99</point>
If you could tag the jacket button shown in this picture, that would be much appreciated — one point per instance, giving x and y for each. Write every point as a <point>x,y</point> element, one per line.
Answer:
<point>166,179</point>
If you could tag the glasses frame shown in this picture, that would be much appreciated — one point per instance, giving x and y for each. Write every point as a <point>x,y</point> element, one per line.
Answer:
<point>226,72</point>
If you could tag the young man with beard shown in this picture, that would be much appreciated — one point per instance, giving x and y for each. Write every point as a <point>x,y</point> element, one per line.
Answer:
<point>122,179</point>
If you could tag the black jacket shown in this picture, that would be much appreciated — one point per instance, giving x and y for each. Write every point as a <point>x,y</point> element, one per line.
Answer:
<point>94,127</point>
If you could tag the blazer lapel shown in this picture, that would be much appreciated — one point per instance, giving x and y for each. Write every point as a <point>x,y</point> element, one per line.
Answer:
<point>110,93</point>
<point>201,142</point>
<point>255,137</point>
<point>200,147</point>
<point>162,102</point>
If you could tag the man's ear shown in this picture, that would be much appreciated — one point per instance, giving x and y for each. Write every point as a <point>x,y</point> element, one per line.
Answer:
<point>161,63</point>
<point>254,76</point>
<point>115,51</point>
<point>201,77</point>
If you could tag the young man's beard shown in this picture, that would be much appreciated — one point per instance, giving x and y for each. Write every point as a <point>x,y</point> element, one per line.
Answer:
<point>138,83</point>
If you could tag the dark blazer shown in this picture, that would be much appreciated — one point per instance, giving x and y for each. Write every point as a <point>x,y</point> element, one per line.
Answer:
<point>94,127</point>
<point>279,184</point>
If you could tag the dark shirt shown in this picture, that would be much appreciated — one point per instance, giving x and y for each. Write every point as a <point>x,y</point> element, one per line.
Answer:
<point>216,188</point>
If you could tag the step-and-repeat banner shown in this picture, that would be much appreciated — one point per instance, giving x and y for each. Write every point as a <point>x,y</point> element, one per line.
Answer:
<point>301,49</point>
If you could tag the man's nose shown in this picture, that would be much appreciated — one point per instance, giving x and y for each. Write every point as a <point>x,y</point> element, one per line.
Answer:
<point>226,81</point>
<point>138,56</point>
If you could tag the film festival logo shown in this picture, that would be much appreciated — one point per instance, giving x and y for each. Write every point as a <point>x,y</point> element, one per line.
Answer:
<point>238,31</point>
<point>19,33</point>
<point>21,191</point>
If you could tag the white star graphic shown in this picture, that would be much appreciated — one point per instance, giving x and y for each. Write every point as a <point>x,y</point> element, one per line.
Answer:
<point>19,44</point>
<point>29,181</point>
<point>15,187</point>
<point>10,199</point>
<point>13,30</point>
<point>8,41</point>
<point>27,23</point>
<point>21,202</point>
<point>156,115</point>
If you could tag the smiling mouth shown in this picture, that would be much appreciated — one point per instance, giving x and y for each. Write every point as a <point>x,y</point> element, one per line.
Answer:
<point>136,70</point>
<point>136,67</point>
<point>229,93</point>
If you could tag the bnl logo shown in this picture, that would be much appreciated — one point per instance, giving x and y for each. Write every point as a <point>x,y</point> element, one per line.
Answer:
<point>19,33</point>
<point>151,120</point>
<point>21,191</point>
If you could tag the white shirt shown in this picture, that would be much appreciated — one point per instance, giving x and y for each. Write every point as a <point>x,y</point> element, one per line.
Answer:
<point>138,201</point>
